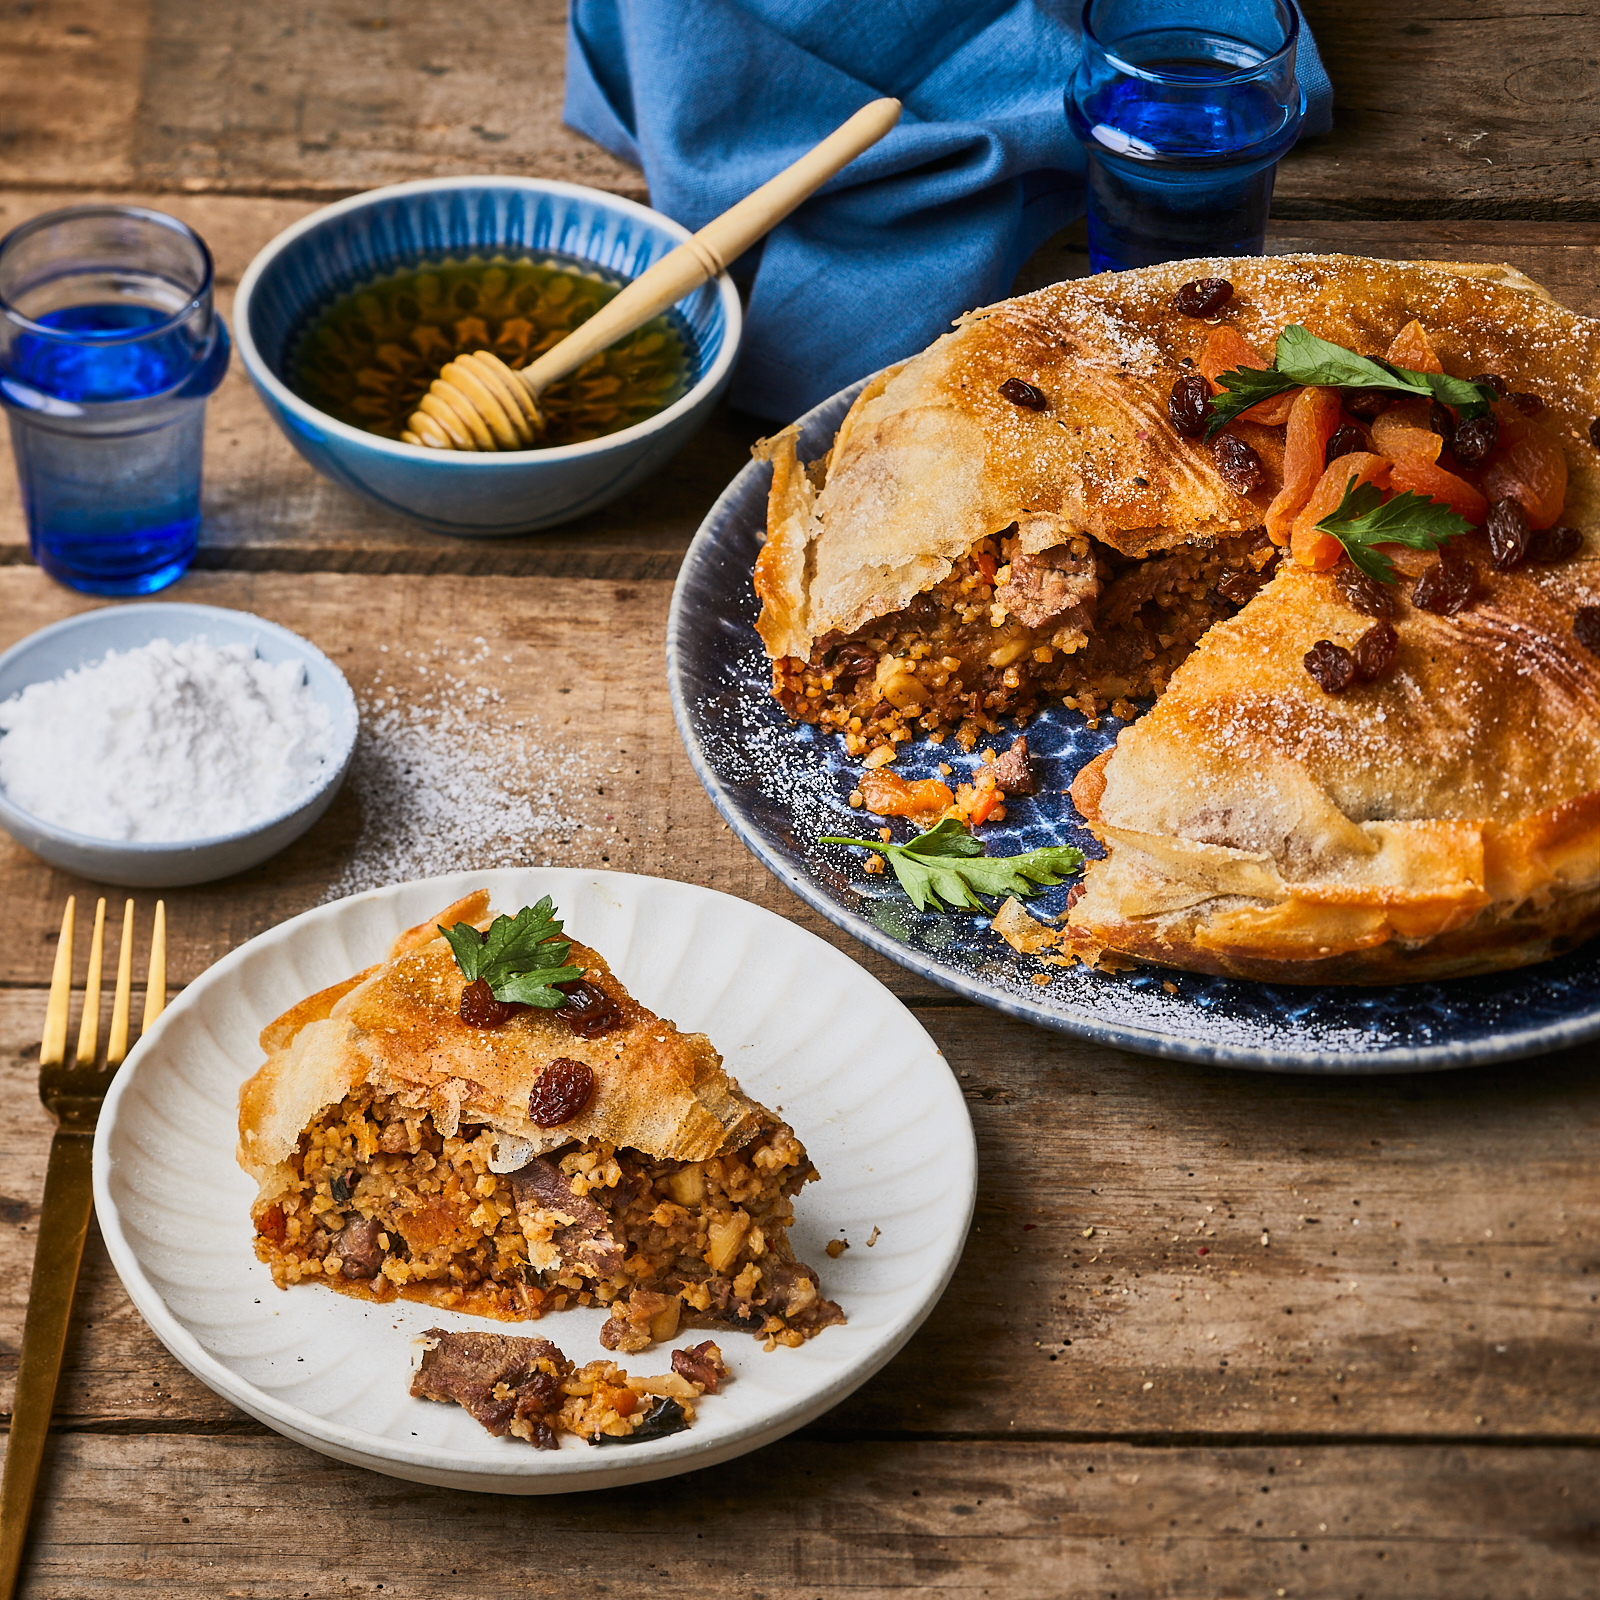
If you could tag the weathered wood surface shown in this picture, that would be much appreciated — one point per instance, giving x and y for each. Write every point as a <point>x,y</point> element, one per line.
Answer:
<point>260,1518</point>
<point>1396,1293</point>
<point>1393,1394</point>
<point>1440,110</point>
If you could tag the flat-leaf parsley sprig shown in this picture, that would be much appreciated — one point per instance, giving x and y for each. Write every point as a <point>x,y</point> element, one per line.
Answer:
<point>1304,360</point>
<point>947,864</point>
<point>1365,519</point>
<point>520,958</point>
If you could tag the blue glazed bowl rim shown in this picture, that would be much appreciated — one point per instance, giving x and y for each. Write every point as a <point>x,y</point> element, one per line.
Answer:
<point>192,625</point>
<point>468,460</point>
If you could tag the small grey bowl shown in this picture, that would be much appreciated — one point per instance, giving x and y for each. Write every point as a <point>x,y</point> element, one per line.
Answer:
<point>170,864</point>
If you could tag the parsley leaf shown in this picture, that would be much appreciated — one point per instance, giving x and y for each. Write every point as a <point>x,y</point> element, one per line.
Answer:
<point>1304,359</point>
<point>520,957</point>
<point>1364,519</point>
<point>948,862</point>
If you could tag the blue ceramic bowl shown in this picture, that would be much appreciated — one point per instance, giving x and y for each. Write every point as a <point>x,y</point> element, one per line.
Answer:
<point>478,495</point>
<point>169,864</point>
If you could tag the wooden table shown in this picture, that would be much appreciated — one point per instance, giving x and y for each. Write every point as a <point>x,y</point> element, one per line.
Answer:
<point>1381,1376</point>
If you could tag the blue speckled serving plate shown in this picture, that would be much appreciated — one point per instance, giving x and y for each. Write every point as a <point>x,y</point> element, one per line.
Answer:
<point>781,785</point>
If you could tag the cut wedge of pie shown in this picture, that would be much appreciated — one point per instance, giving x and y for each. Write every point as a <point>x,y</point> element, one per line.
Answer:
<point>1018,516</point>
<point>401,1150</point>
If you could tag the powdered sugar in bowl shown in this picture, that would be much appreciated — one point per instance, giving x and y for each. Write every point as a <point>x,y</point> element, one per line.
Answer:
<point>165,744</point>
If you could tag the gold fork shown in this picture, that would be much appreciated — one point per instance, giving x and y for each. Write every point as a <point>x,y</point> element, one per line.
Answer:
<point>72,1094</point>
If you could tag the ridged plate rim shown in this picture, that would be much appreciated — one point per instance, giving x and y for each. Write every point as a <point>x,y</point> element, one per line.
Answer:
<point>804,983</point>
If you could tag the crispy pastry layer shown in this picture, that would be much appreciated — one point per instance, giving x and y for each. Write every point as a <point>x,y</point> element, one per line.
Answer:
<point>1444,820</point>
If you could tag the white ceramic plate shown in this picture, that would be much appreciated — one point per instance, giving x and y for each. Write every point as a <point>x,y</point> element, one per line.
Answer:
<point>801,1026</point>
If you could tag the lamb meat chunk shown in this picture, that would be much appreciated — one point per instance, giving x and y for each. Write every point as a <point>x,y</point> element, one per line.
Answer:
<point>586,1241</point>
<point>1052,586</point>
<point>1013,772</point>
<point>467,1369</point>
<point>357,1246</point>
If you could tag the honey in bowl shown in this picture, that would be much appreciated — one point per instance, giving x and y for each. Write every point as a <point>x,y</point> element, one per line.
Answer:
<point>368,357</point>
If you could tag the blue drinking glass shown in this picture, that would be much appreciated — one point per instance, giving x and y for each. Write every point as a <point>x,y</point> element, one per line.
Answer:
<point>1183,108</point>
<point>109,347</point>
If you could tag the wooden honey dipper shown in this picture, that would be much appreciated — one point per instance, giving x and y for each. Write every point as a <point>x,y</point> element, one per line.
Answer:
<point>479,403</point>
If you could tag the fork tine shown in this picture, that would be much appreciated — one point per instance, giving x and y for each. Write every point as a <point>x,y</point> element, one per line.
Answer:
<point>53,1047</point>
<point>89,1027</point>
<point>155,984</point>
<point>117,1040</point>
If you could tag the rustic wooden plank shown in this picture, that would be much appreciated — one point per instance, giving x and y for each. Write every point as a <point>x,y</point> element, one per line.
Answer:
<point>1443,110</point>
<point>72,74</point>
<point>1486,113</point>
<point>1432,1266</point>
<point>287,98</point>
<point>265,1519</point>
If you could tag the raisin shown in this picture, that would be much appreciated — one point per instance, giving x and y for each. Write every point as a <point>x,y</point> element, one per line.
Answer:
<point>1239,465</point>
<point>564,1088</point>
<point>1551,545</point>
<point>1333,667</point>
<point>1446,586</point>
<point>1189,404</point>
<point>1204,297</point>
<point>1024,394</point>
<point>1375,652</point>
<point>1367,402</point>
<point>1239,586</point>
<point>1442,420</point>
<point>1347,439</point>
<point>480,1009</point>
<point>1366,594</point>
<point>1594,433</point>
<point>853,661</point>
<point>1475,438</point>
<point>1530,405</point>
<point>588,1010</point>
<point>1586,628</point>
<point>1495,382</point>
<point>341,1184</point>
<point>1509,534</point>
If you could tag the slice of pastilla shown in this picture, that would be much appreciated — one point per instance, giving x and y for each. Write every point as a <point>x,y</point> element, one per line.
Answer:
<point>590,1154</point>
<point>1443,820</point>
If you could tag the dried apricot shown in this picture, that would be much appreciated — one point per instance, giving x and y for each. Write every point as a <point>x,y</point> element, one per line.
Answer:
<point>1413,350</point>
<point>1528,465</point>
<point>1432,482</point>
<point>889,795</point>
<point>1226,350</point>
<point>1406,429</point>
<point>1320,550</point>
<point>1313,421</point>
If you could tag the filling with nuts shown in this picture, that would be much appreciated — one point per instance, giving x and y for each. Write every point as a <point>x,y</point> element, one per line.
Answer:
<point>527,1389</point>
<point>384,1206</point>
<point>1007,631</point>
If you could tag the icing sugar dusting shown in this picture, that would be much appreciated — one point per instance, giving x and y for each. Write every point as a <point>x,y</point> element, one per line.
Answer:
<point>448,781</point>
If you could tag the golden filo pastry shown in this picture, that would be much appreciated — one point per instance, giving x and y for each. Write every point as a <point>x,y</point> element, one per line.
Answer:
<point>1444,820</point>
<point>1012,519</point>
<point>588,1155</point>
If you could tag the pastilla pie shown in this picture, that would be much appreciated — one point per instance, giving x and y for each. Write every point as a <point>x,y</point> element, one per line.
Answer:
<point>488,1121</point>
<point>1356,770</point>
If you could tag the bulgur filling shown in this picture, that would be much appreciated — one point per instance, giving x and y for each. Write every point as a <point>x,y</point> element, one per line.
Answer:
<point>527,1388</point>
<point>1006,632</point>
<point>382,1205</point>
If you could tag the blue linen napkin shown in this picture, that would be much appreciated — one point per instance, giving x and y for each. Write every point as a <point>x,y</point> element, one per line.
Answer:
<point>712,97</point>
